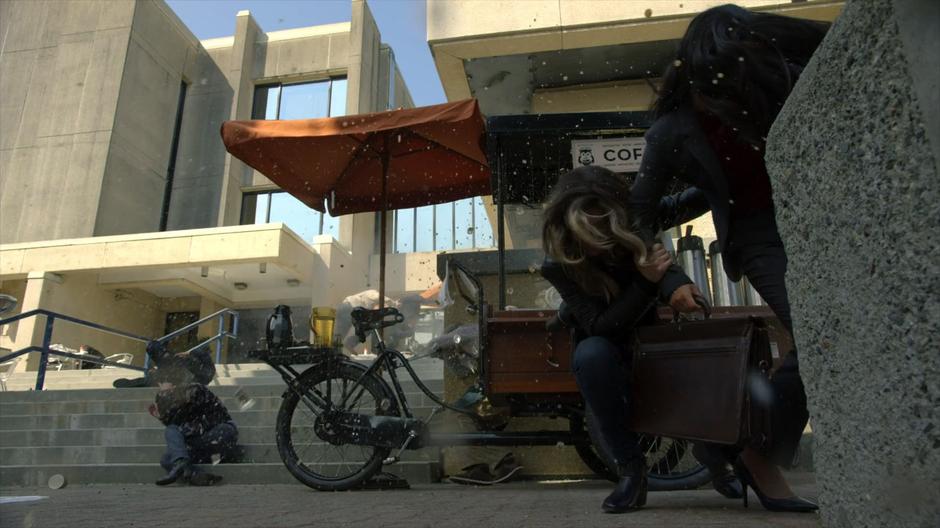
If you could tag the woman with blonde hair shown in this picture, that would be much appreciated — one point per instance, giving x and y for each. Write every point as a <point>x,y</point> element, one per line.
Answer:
<point>610,282</point>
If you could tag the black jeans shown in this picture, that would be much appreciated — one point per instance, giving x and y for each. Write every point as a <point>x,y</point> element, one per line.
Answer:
<point>602,370</point>
<point>765,266</point>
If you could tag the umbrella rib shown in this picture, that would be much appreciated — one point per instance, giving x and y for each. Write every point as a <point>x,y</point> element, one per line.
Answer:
<point>362,146</point>
<point>439,145</point>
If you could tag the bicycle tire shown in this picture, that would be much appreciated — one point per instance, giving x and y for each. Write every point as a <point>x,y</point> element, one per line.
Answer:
<point>310,469</point>
<point>661,464</point>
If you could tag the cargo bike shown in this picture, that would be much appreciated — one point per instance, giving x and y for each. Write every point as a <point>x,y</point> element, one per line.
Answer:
<point>341,421</point>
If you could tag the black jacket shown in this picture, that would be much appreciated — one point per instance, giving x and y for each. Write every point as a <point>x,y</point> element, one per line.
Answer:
<point>593,314</point>
<point>596,316</point>
<point>193,407</point>
<point>676,147</point>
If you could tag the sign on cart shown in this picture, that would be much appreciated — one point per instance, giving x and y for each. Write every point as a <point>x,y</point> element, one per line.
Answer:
<point>617,154</point>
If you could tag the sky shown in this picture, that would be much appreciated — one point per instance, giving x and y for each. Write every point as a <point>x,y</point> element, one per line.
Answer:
<point>402,24</point>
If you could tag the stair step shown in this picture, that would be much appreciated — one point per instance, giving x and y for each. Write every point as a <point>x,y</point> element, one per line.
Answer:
<point>89,406</point>
<point>245,374</point>
<point>256,473</point>
<point>263,414</point>
<point>147,454</point>
<point>113,437</point>
<point>272,388</point>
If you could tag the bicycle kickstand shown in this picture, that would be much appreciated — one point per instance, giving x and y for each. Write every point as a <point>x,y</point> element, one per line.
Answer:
<point>411,436</point>
<point>392,459</point>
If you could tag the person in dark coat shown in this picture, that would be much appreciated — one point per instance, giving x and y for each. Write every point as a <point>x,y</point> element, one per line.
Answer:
<point>732,74</point>
<point>610,282</point>
<point>198,426</point>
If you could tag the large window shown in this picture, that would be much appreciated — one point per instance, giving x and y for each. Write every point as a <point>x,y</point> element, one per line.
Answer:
<point>294,101</point>
<point>456,225</point>
<point>301,100</point>
<point>278,206</point>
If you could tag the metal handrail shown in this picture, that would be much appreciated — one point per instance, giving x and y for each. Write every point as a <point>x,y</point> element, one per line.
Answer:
<point>51,317</point>
<point>217,338</point>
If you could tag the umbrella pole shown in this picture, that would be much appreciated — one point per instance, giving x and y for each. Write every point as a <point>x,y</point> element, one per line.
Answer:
<point>383,227</point>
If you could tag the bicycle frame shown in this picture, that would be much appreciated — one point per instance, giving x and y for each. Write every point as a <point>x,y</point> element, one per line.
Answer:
<point>391,360</point>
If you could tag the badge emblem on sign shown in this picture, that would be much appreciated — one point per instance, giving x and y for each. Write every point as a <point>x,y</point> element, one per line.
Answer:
<point>586,157</point>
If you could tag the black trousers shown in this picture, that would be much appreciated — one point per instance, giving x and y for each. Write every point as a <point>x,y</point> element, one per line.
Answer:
<point>601,368</point>
<point>764,263</point>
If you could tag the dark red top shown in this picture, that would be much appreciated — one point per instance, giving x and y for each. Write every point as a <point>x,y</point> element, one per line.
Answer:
<point>748,183</point>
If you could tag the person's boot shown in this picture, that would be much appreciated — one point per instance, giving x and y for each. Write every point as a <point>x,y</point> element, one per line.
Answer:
<point>630,493</point>
<point>723,479</point>
<point>181,469</point>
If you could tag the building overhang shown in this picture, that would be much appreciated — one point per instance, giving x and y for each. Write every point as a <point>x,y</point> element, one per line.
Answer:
<point>504,56</point>
<point>234,266</point>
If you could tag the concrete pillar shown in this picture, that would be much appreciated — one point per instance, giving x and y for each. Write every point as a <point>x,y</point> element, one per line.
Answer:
<point>29,332</point>
<point>247,34</point>
<point>357,232</point>
<point>854,160</point>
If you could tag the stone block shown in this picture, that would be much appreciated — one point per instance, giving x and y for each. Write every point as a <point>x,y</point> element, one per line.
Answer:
<point>857,192</point>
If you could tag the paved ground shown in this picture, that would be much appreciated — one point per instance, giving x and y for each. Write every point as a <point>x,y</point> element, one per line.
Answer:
<point>515,505</point>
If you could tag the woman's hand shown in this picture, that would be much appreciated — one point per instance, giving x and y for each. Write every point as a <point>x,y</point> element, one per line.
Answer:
<point>154,410</point>
<point>683,299</point>
<point>657,262</point>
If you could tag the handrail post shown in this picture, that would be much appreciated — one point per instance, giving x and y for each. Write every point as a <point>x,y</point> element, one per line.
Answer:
<point>218,339</point>
<point>44,355</point>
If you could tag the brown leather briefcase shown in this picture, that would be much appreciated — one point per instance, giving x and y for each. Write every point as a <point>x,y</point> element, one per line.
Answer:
<point>690,379</point>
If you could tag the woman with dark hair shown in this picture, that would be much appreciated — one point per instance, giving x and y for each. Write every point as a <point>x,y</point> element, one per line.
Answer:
<point>733,72</point>
<point>610,282</point>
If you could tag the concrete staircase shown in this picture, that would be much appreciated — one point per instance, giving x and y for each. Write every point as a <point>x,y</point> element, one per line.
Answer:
<point>90,433</point>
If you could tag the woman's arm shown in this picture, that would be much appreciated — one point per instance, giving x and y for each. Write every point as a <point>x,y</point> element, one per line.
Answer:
<point>593,317</point>
<point>682,207</point>
<point>656,171</point>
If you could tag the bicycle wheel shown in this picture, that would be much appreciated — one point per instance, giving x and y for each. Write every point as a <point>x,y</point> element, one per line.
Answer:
<point>307,448</point>
<point>669,461</point>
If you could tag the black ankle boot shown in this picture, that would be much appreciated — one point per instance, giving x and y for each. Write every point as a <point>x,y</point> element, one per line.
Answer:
<point>630,493</point>
<point>723,479</point>
<point>181,469</point>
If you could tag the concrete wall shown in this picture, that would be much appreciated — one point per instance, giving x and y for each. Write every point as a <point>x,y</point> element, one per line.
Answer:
<point>854,162</point>
<point>135,177</point>
<point>459,18</point>
<point>618,96</point>
<point>60,75</point>
<point>80,296</point>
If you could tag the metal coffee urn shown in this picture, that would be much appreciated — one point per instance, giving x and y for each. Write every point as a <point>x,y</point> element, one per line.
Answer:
<point>751,297</point>
<point>725,291</point>
<point>691,256</point>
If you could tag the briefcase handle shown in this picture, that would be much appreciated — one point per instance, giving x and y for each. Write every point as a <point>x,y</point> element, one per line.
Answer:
<point>699,300</point>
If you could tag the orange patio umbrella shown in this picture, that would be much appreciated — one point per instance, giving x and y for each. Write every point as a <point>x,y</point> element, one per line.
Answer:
<point>370,162</point>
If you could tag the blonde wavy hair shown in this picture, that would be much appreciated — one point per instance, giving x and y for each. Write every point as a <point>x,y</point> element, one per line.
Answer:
<point>586,223</point>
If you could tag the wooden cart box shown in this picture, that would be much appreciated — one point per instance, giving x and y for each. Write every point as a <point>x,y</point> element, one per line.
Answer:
<point>522,356</point>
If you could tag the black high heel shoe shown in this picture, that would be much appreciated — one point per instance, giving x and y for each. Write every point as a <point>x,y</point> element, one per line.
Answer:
<point>790,504</point>
<point>630,493</point>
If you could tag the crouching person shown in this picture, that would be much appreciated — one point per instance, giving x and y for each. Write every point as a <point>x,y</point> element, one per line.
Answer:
<point>198,426</point>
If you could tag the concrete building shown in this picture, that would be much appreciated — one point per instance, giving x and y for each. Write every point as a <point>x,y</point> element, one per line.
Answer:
<point>118,202</point>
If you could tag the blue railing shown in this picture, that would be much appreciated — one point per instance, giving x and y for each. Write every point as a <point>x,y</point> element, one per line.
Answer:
<point>224,331</point>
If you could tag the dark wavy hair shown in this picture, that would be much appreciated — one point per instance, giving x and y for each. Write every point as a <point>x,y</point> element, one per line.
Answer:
<point>739,66</point>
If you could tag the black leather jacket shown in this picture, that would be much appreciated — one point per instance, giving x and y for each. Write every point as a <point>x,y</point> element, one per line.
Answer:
<point>634,305</point>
